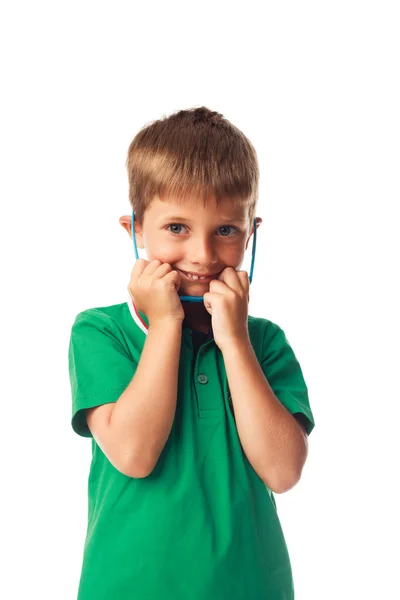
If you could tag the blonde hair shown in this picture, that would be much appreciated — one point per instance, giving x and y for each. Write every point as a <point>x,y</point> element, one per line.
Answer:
<point>189,154</point>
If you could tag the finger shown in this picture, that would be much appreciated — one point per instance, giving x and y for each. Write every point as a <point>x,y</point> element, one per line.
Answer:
<point>153,266</point>
<point>207,300</point>
<point>174,278</point>
<point>162,269</point>
<point>219,287</point>
<point>244,280</point>
<point>233,279</point>
<point>144,269</point>
<point>156,269</point>
<point>139,266</point>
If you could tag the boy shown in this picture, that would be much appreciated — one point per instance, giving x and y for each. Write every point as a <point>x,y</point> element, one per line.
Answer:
<point>197,412</point>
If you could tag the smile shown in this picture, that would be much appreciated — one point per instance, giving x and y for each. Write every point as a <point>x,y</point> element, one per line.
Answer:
<point>196,278</point>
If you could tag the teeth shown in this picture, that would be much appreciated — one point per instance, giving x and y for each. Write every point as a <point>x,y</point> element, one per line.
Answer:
<point>195,276</point>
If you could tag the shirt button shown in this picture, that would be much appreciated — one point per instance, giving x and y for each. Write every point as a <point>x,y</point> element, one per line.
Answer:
<point>202,378</point>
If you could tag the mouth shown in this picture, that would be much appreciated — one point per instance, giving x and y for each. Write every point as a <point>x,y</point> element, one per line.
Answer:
<point>194,278</point>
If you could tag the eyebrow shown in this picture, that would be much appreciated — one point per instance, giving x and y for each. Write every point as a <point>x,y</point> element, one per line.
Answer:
<point>222,220</point>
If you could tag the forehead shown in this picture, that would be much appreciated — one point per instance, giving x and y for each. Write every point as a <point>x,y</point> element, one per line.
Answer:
<point>226,210</point>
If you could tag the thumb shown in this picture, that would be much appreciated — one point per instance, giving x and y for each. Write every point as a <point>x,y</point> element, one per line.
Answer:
<point>207,302</point>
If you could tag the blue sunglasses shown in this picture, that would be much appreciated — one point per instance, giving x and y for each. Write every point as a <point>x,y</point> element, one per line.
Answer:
<point>200,298</point>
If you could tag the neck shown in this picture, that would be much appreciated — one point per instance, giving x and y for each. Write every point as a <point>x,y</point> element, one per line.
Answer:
<point>196,314</point>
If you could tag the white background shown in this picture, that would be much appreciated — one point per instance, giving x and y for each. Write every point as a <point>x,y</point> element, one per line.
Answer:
<point>315,86</point>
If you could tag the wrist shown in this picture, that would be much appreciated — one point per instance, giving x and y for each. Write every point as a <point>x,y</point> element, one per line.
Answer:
<point>236,345</point>
<point>167,323</point>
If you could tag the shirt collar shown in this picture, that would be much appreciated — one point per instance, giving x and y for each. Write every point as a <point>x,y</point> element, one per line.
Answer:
<point>209,335</point>
<point>138,317</point>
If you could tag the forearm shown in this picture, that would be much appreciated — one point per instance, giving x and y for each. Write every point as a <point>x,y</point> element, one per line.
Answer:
<point>273,441</point>
<point>144,413</point>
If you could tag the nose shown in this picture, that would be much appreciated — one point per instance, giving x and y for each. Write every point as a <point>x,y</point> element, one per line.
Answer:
<point>202,251</point>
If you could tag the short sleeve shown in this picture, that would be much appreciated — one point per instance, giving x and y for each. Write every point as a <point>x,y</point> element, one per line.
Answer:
<point>100,367</point>
<point>283,373</point>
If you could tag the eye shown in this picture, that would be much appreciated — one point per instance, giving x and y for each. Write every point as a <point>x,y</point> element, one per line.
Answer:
<point>229,227</point>
<point>174,225</point>
<point>223,227</point>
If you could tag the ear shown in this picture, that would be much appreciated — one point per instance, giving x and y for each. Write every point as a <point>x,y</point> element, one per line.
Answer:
<point>126,222</point>
<point>258,223</point>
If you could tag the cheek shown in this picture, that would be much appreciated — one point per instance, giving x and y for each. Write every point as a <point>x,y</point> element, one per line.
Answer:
<point>238,257</point>
<point>237,254</point>
<point>163,257</point>
<point>164,254</point>
<point>172,254</point>
<point>158,248</point>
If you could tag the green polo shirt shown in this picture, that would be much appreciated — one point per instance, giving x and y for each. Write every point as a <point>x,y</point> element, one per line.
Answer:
<point>202,525</point>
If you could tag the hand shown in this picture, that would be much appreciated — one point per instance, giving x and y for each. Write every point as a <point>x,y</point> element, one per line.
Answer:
<point>154,289</point>
<point>227,302</point>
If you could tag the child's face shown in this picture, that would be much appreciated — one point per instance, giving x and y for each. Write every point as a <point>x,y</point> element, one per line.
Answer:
<point>195,238</point>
